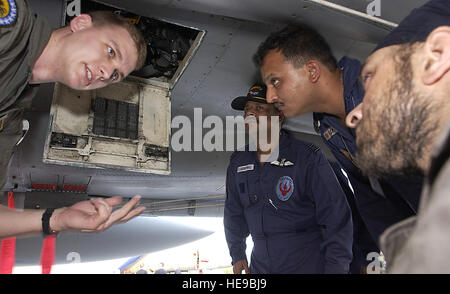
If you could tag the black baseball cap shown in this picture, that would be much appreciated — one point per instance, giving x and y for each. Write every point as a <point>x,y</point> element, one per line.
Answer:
<point>419,24</point>
<point>257,93</point>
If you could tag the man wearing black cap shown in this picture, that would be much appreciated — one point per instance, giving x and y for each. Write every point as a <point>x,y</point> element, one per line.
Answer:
<point>292,204</point>
<point>404,125</point>
<point>302,76</point>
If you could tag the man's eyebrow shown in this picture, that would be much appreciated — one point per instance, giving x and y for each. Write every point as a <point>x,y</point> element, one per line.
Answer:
<point>122,76</point>
<point>361,80</point>
<point>117,49</point>
<point>268,77</point>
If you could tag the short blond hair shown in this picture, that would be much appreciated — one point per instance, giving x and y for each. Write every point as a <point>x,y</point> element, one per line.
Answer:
<point>107,18</point>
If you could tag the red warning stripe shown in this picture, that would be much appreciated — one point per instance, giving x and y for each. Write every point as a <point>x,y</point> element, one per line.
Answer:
<point>51,187</point>
<point>75,188</point>
<point>8,246</point>
<point>8,249</point>
<point>48,254</point>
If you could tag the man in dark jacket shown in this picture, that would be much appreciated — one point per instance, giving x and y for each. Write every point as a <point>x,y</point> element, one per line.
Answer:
<point>291,205</point>
<point>302,76</point>
<point>403,125</point>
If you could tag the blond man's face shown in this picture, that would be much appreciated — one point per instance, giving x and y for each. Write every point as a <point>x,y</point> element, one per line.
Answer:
<point>95,56</point>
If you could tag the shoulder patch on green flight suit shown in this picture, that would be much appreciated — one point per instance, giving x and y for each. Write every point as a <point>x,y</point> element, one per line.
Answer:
<point>8,12</point>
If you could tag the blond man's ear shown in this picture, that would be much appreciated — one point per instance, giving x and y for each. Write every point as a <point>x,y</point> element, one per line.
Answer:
<point>80,22</point>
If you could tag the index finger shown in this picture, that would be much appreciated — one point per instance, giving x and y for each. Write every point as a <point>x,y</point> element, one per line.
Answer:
<point>126,212</point>
<point>113,201</point>
<point>116,200</point>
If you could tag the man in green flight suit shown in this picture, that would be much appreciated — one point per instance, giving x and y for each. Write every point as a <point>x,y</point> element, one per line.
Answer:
<point>93,51</point>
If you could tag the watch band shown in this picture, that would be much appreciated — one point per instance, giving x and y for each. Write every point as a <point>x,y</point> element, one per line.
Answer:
<point>46,222</point>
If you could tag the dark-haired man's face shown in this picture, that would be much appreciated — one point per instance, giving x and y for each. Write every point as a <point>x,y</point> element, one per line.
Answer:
<point>288,87</point>
<point>95,56</point>
<point>395,125</point>
<point>257,110</point>
<point>262,110</point>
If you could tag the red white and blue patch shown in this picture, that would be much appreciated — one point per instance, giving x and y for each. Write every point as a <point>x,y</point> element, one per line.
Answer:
<point>8,12</point>
<point>284,188</point>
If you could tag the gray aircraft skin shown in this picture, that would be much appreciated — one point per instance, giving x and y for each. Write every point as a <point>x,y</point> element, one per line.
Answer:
<point>219,70</point>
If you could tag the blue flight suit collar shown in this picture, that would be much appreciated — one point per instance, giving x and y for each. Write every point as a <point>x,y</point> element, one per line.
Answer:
<point>282,146</point>
<point>353,93</point>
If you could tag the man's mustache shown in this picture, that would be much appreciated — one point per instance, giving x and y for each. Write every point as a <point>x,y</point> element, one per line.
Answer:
<point>278,104</point>
<point>251,119</point>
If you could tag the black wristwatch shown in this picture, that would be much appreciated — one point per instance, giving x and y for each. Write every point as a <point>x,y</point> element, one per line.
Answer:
<point>46,222</point>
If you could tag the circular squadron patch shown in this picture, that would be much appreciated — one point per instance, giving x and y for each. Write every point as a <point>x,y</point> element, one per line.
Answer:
<point>284,188</point>
<point>8,12</point>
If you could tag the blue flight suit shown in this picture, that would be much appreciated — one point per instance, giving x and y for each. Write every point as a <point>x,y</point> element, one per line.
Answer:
<point>297,215</point>
<point>378,203</point>
<point>363,243</point>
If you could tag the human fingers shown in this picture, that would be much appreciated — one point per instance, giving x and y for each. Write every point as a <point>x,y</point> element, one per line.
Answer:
<point>116,219</point>
<point>238,267</point>
<point>126,212</point>
<point>135,212</point>
<point>103,213</point>
<point>85,216</point>
<point>113,201</point>
<point>85,206</point>
<point>246,269</point>
<point>103,203</point>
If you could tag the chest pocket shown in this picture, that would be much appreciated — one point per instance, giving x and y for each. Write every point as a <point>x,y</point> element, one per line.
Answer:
<point>247,190</point>
<point>297,211</point>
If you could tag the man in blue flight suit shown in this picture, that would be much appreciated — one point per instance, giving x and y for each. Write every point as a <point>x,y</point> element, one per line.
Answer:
<point>302,76</point>
<point>293,207</point>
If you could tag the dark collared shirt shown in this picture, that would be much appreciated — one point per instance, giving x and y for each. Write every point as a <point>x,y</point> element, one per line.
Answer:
<point>380,203</point>
<point>297,215</point>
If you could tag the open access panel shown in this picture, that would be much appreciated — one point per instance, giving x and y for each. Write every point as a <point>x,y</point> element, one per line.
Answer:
<point>125,125</point>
